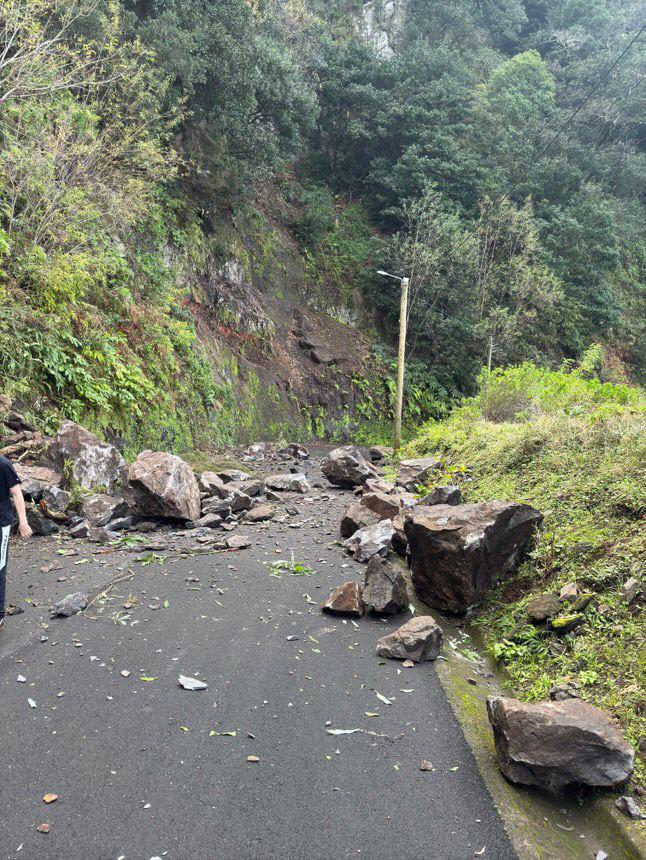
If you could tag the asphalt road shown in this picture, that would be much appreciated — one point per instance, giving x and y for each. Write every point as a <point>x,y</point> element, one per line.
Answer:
<point>139,773</point>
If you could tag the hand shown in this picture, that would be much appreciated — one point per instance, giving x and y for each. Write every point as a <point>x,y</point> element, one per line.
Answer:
<point>24,530</point>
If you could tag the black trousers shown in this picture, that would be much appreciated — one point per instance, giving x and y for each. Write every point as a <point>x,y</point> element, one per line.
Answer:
<point>4,558</point>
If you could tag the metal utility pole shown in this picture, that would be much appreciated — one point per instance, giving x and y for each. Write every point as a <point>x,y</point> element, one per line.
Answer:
<point>401,358</point>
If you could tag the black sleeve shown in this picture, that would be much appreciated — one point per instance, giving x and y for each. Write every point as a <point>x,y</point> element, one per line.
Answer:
<point>9,474</point>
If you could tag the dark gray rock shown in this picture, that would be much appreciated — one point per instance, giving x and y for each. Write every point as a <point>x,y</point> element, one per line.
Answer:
<point>384,505</point>
<point>417,472</point>
<point>209,521</point>
<point>80,530</point>
<point>629,807</point>
<point>55,499</point>
<point>459,552</point>
<point>555,744</point>
<point>298,452</point>
<point>99,509</point>
<point>449,495</point>
<point>39,523</point>
<point>260,514</point>
<point>372,540</point>
<point>292,483</point>
<point>346,467</point>
<point>419,639</point>
<point>384,590</point>
<point>228,475</point>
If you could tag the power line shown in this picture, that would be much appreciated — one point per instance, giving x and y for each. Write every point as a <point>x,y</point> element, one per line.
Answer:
<point>604,77</point>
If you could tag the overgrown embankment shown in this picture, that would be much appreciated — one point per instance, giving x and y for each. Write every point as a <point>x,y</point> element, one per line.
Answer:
<point>575,448</point>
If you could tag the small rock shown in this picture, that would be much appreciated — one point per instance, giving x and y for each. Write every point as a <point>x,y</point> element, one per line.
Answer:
<point>419,639</point>
<point>238,542</point>
<point>293,483</point>
<point>542,607</point>
<point>191,684</point>
<point>260,514</point>
<point>569,593</point>
<point>561,692</point>
<point>40,524</point>
<point>629,807</point>
<point>229,475</point>
<point>56,499</point>
<point>413,473</point>
<point>630,590</point>
<point>80,530</point>
<point>209,521</point>
<point>449,495</point>
<point>298,452</point>
<point>345,600</point>
<point>346,467</point>
<point>69,605</point>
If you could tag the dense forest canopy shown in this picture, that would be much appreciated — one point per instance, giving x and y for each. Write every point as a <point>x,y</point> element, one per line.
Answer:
<point>493,149</point>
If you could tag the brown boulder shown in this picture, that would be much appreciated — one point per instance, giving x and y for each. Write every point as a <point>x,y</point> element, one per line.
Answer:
<point>357,517</point>
<point>165,486</point>
<point>210,483</point>
<point>458,552</point>
<point>345,600</point>
<point>420,639</point>
<point>260,514</point>
<point>99,509</point>
<point>449,495</point>
<point>372,540</point>
<point>416,472</point>
<point>384,590</point>
<point>387,507</point>
<point>554,744</point>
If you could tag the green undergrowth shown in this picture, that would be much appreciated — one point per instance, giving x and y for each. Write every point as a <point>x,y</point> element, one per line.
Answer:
<point>575,448</point>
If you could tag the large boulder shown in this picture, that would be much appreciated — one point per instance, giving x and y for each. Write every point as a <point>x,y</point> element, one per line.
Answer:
<point>94,463</point>
<point>165,486</point>
<point>210,483</point>
<point>458,552</point>
<point>39,523</point>
<point>345,600</point>
<point>356,517</point>
<point>554,744</point>
<point>291,483</point>
<point>417,472</point>
<point>100,509</point>
<point>346,467</point>
<point>419,639</point>
<point>372,540</point>
<point>384,590</point>
<point>35,479</point>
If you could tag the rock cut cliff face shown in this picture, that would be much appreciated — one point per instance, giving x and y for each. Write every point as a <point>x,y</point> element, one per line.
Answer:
<point>288,363</point>
<point>381,24</point>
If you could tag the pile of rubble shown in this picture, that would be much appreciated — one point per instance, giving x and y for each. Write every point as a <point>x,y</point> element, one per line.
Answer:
<point>77,483</point>
<point>456,552</point>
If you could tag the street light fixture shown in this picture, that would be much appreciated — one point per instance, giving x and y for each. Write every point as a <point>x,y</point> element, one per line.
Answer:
<point>401,354</point>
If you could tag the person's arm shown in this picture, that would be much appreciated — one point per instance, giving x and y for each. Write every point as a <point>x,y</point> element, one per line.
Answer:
<point>19,504</point>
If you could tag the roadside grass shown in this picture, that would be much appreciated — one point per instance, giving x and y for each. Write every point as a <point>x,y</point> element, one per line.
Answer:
<point>576,449</point>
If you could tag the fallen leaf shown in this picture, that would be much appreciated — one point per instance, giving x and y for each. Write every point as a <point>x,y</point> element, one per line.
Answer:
<point>213,733</point>
<point>383,698</point>
<point>253,759</point>
<point>50,798</point>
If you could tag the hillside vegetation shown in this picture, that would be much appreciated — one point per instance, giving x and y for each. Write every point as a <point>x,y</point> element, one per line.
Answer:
<point>575,448</point>
<point>157,155</point>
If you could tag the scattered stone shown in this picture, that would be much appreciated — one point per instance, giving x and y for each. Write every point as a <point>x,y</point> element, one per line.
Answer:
<point>228,475</point>
<point>238,542</point>
<point>569,593</point>
<point>542,607</point>
<point>34,480</point>
<point>458,552</point>
<point>102,534</point>
<point>426,766</point>
<point>69,605</point>
<point>298,452</point>
<point>260,514</point>
<point>100,509</point>
<point>346,467</point>
<point>399,540</point>
<point>292,483</point>
<point>630,590</point>
<point>254,487</point>
<point>121,524</point>
<point>209,521</point>
<point>377,485</point>
<point>384,590</point>
<point>561,692</point>
<point>629,807</point>
<point>380,454</point>
<point>357,517</point>
<point>165,486</point>
<point>191,684</point>
<point>449,495</point>
<point>94,463</point>
<point>322,356</point>
<point>40,524</point>
<point>210,483</point>
<point>372,540</point>
<point>238,500</point>
<point>56,500</point>
<point>80,530</point>
<point>146,526</point>
<point>271,496</point>
<point>413,473</point>
<point>215,505</point>
<point>566,623</point>
<point>554,744</point>
<point>345,600</point>
<point>419,639</point>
